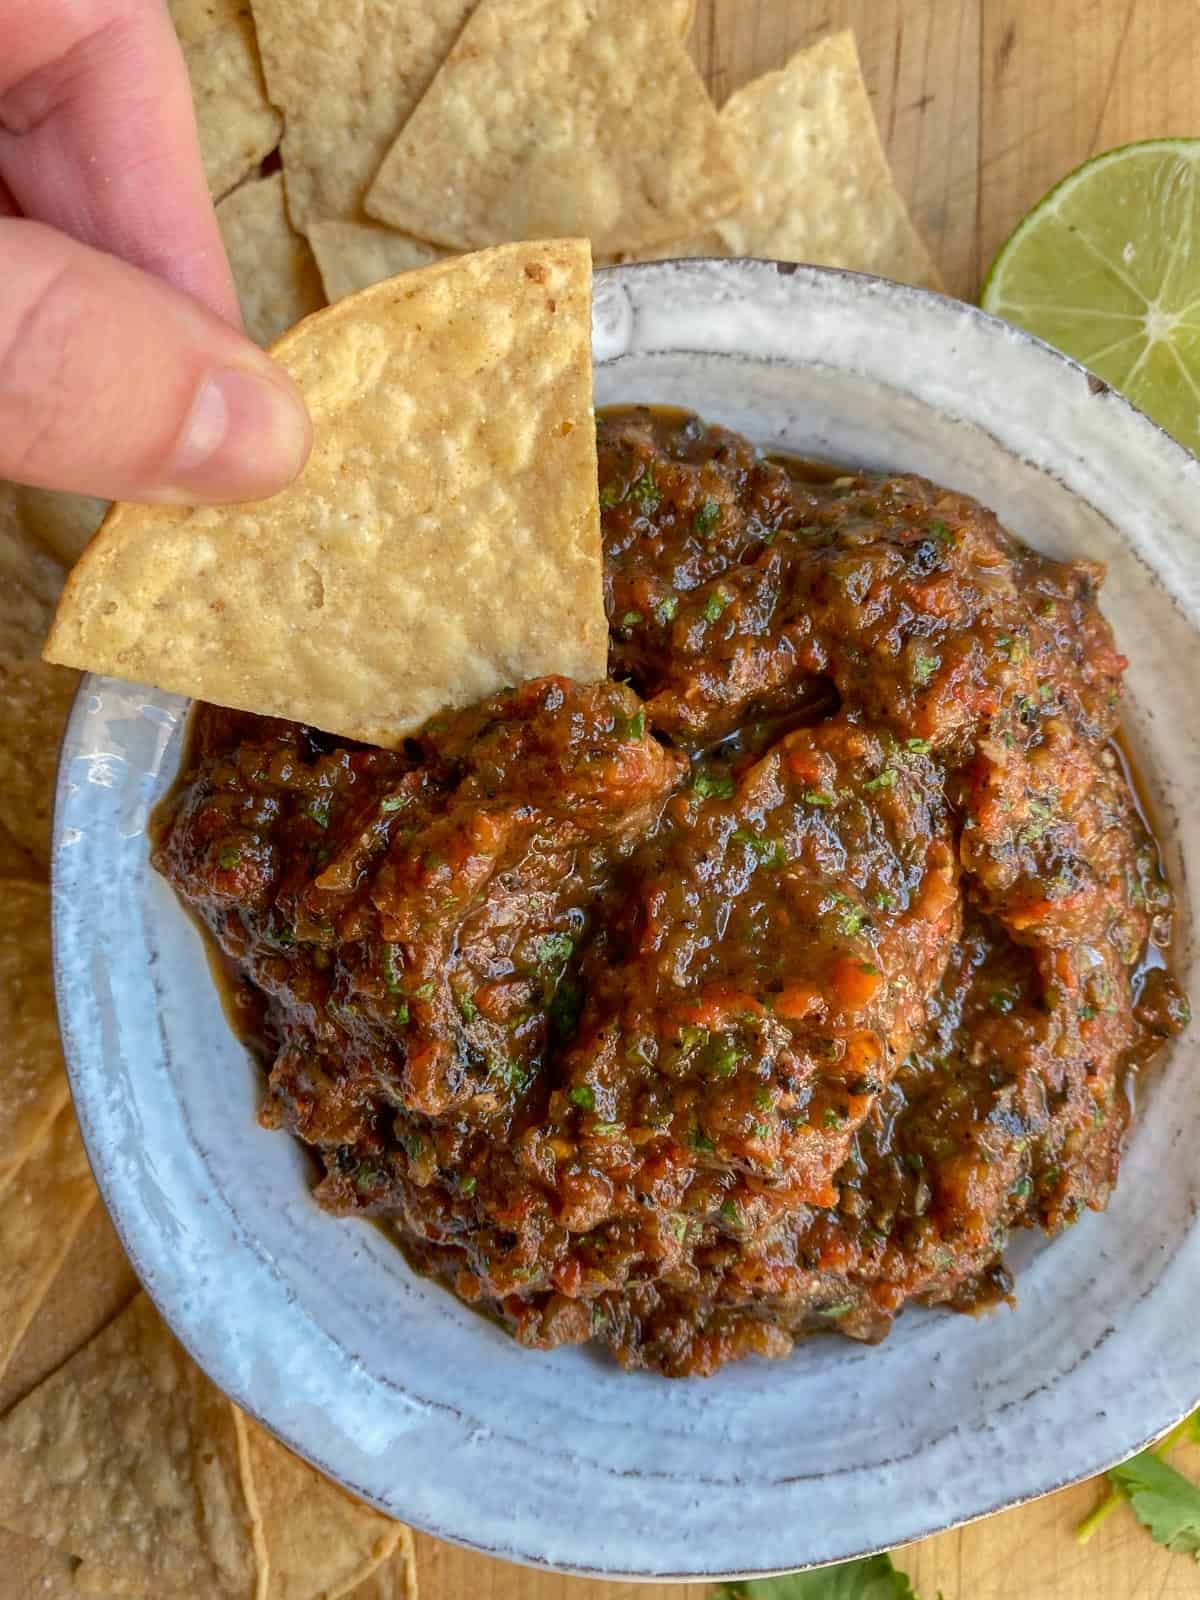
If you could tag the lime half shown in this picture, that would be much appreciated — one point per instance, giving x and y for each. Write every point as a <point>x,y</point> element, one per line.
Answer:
<point>1107,267</point>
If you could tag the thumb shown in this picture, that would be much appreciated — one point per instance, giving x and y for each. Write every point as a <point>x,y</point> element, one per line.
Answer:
<point>114,384</point>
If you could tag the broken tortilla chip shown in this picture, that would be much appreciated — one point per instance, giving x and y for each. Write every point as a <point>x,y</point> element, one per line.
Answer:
<point>316,1540</point>
<point>354,255</point>
<point>274,270</point>
<point>443,540</point>
<point>127,1457</point>
<point>237,124</point>
<point>347,77</point>
<point>396,1578</point>
<point>45,1203</point>
<point>30,580</point>
<point>35,701</point>
<point>561,116</point>
<point>818,185</point>
<point>33,1084</point>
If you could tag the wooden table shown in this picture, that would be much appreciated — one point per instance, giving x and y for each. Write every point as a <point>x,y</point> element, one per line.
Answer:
<point>983,105</point>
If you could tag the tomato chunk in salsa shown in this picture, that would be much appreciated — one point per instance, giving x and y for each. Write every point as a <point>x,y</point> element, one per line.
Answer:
<point>751,993</point>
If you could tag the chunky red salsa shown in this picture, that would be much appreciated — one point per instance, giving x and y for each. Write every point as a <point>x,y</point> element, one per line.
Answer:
<point>751,993</point>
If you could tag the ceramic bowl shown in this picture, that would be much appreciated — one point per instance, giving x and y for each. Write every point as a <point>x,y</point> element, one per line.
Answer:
<point>390,1385</point>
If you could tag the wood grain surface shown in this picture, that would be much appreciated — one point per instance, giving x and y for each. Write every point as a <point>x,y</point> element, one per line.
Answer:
<point>983,104</point>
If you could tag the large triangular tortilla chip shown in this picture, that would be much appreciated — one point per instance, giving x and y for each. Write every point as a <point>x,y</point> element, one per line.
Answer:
<point>561,116</point>
<point>354,255</point>
<point>818,185</point>
<point>35,701</point>
<point>347,74</point>
<point>443,541</point>
<point>127,1457</point>
<point>30,580</point>
<point>44,1205</point>
<point>274,270</point>
<point>316,1540</point>
<point>33,1082</point>
<point>236,122</point>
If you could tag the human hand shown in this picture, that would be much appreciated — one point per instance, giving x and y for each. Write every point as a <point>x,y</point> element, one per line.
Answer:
<point>124,372</point>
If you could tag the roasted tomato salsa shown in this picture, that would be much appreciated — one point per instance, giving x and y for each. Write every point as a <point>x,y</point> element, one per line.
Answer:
<point>749,994</point>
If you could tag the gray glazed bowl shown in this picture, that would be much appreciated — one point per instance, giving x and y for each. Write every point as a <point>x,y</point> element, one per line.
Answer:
<point>386,1382</point>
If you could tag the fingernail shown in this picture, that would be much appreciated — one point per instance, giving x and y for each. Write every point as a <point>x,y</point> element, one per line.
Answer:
<point>245,438</point>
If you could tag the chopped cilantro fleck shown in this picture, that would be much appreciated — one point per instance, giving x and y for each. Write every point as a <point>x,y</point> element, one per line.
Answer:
<point>819,797</point>
<point>692,1038</point>
<point>882,780</point>
<point>583,1096</point>
<point>645,491</point>
<point>554,949</point>
<point>468,1009</point>
<point>229,859</point>
<point>1022,1189</point>
<point>852,920</point>
<point>833,1117</point>
<point>919,747</point>
<point>768,853</point>
<point>611,496</point>
<point>665,609</point>
<point>318,810</point>
<point>631,619</point>
<point>631,727</point>
<point>466,1186</point>
<point>565,1009</point>
<point>710,786</point>
<point>401,1013</point>
<point>714,606</point>
<point>940,532</point>
<point>425,992</point>
<point>700,1142</point>
<point>731,1213</point>
<point>924,667</point>
<point>707,518</point>
<point>393,802</point>
<point>607,1130</point>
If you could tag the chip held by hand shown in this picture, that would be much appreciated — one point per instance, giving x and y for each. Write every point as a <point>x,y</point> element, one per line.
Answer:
<point>442,542</point>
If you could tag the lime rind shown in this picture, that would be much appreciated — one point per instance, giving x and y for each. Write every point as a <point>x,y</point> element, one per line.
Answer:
<point>1107,268</point>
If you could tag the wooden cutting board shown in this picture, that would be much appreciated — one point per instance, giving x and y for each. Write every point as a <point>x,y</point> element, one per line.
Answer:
<point>983,104</point>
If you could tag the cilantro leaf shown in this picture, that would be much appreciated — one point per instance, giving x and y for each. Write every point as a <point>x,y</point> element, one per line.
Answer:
<point>874,1578</point>
<point>1165,1502</point>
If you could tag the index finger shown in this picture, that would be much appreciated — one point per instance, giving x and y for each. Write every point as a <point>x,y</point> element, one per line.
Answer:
<point>98,138</point>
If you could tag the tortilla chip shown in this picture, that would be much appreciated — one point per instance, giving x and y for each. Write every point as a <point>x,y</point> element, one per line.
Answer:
<point>347,76</point>
<point>45,1204</point>
<point>561,116</point>
<point>354,255</point>
<point>93,1283</point>
<point>33,1084</point>
<point>316,1539</point>
<point>276,276</point>
<point>30,581</point>
<point>442,542</point>
<point>127,1457</point>
<point>61,523</point>
<point>48,1574</point>
<point>238,125</point>
<point>396,1579</point>
<point>818,185</point>
<point>35,700</point>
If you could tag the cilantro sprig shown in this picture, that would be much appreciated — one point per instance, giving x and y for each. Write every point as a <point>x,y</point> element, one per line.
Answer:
<point>1165,1502</point>
<point>874,1578</point>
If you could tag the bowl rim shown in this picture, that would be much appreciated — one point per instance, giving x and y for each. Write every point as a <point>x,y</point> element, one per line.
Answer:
<point>131,1230</point>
